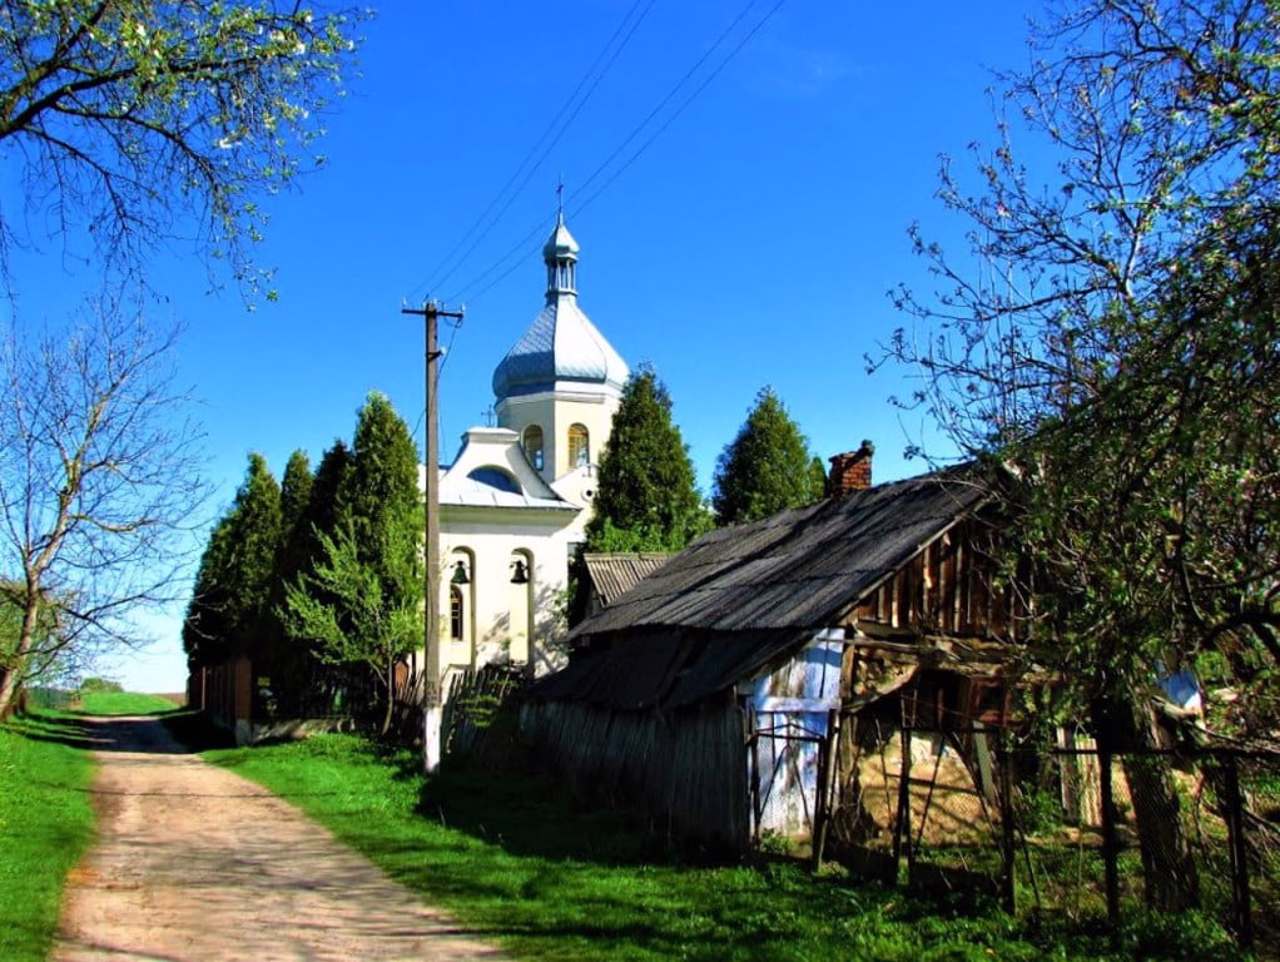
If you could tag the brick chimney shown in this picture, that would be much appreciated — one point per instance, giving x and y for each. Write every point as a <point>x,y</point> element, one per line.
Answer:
<point>851,471</point>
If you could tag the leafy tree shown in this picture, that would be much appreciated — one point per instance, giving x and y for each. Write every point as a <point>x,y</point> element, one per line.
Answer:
<point>1125,368</point>
<point>646,498</point>
<point>99,478</point>
<point>362,600</point>
<point>124,116</point>
<point>765,469</point>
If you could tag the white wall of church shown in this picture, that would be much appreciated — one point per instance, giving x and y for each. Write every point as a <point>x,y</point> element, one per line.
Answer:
<point>502,621</point>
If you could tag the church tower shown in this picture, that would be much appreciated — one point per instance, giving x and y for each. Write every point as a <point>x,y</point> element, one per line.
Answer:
<point>560,384</point>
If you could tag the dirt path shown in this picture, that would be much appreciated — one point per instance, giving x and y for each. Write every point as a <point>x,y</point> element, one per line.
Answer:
<point>195,863</point>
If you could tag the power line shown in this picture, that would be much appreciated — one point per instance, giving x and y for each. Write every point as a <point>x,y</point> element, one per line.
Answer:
<point>538,149</point>
<point>679,110</point>
<point>669,95</point>
<point>521,246</point>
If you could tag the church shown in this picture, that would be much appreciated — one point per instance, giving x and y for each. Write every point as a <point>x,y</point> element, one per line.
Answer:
<point>514,503</point>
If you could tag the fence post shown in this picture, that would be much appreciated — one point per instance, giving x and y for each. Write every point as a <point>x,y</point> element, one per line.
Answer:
<point>1109,843</point>
<point>902,827</point>
<point>1239,848</point>
<point>1006,823</point>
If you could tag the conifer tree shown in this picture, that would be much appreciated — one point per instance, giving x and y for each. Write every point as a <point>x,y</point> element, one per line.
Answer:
<point>361,601</point>
<point>325,501</point>
<point>818,479</point>
<point>295,492</point>
<point>646,498</point>
<point>765,469</point>
<point>230,611</point>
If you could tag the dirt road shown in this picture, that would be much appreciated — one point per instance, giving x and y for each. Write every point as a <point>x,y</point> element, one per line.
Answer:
<point>195,863</point>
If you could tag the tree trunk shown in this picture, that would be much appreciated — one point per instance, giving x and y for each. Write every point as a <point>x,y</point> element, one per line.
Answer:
<point>391,697</point>
<point>26,638</point>
<point>1170,876</point>
<point>8,690</point>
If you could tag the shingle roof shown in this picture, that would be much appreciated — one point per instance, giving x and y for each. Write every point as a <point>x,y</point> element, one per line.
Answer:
<point>741,597</point>
<point>615,573</point>
<point>794,570</point>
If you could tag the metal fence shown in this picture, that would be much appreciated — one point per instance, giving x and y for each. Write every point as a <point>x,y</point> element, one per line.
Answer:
<point>1067,828</point>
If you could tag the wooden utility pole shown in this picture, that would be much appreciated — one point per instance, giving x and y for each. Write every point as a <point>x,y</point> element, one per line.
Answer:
<point>432,702</point>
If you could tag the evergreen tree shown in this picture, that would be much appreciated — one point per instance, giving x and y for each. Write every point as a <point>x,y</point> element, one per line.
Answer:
<point>765,469</point>
<point>295,492</point>
<point>325,502</point>
<point>361,600</point>
<point>646,498</point>
<point>818,479</point>
<point>206,630</point>
<point>230,610</point>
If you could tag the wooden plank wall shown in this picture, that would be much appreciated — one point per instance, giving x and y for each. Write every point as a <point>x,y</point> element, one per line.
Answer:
<point>688,771</point>
<point>948,588</point>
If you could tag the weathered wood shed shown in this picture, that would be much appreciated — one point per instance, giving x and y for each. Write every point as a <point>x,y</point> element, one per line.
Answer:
<point>709,692</point>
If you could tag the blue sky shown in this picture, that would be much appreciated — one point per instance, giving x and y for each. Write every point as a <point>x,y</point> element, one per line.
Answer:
<point>753,243</point>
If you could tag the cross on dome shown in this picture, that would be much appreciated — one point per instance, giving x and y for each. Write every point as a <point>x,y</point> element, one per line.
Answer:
<point>562,344</point>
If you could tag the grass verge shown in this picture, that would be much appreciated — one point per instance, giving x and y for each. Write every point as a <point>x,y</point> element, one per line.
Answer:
<point>46,822</point>
<point>514,861</point>
<point>124,703</point>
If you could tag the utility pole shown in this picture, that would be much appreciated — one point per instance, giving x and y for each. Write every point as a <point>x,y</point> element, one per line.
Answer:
<point>432,702</point>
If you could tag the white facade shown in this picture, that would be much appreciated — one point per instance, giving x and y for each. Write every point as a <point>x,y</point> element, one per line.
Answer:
<point>515,501</point>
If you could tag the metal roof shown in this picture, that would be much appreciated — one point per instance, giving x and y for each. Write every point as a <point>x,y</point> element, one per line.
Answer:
<point>795,570</point>
<point>615,573</point>
<point>561,344</point>
<point>473,493</point>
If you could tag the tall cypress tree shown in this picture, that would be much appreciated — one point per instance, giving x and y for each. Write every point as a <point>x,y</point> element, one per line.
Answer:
<point>646,498</point>
<point>254,535</point>
<point>230,610</point>
<point>361,600</point>
<point>206,630</point>
<point>325,503</point>
<point>295,491</point>
<point>768,467</point>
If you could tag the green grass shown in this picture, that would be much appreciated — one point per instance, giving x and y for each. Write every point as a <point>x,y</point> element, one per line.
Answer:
<point>514,860</point>
<point>124,703</point>
<point>45,824</point>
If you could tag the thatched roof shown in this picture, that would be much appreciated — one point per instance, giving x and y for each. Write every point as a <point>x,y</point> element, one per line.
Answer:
<point>615,573</point>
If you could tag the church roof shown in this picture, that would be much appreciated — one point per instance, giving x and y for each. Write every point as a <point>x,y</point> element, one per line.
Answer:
<point>562,344</point>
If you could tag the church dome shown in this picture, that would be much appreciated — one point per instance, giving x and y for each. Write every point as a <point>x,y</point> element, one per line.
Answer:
<point>562,344</point>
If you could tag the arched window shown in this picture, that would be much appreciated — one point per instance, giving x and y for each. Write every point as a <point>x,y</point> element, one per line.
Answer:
<point>533,446</point>
<point>579,446</point>
<point>457,614</point>
<point>495,477</point>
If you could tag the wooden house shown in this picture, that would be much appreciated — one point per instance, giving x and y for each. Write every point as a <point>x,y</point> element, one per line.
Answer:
<point>712,693</point>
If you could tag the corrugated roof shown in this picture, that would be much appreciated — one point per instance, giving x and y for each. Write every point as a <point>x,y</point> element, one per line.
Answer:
<point>797,569</point>
<point>616,573</point>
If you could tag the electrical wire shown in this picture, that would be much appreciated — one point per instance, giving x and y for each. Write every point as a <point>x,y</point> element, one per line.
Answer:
<point>679,110</point>
<point>521,247</point>
<point>537,149</point>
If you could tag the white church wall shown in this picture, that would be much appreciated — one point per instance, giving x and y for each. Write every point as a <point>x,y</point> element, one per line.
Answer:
<point>490,539</point>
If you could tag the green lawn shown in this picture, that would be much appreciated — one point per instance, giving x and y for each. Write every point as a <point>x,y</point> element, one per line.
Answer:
<point>45,824</point>
<point>124,703</point>
<point>513,860</point>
